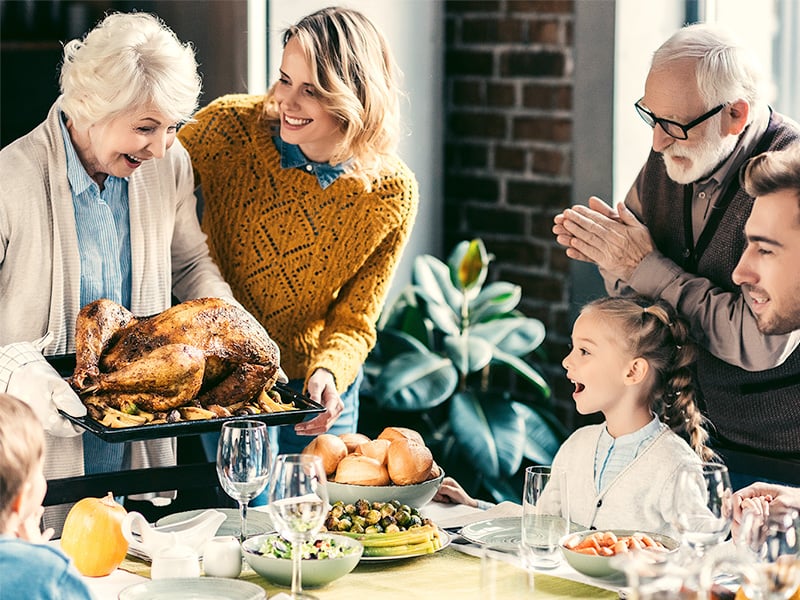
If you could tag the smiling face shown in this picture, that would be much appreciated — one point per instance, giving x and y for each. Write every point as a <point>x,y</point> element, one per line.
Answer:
<point>304,120</point>
<point>768,268</point>
<point>672,93</point>
<point>598,365</point>
<point>119,146</point>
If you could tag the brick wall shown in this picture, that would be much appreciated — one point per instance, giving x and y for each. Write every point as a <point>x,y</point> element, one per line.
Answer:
<point>508,147</point>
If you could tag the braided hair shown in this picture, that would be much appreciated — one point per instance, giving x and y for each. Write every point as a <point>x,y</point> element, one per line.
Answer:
<point>652,330</point>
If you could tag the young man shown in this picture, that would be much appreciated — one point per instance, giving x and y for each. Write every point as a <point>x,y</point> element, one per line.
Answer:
<point>679,235</point>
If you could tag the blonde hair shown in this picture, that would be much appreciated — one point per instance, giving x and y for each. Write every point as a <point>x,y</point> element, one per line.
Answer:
<point>21,450</point>
<point>652,330</point>
<point>356,79</point>
<point>128,61</point>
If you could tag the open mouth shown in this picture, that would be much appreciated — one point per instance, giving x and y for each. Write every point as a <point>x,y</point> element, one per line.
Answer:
<point>132,160</point>
<point>579,387</point>
<point>758,297</point>
<point>295,122</point>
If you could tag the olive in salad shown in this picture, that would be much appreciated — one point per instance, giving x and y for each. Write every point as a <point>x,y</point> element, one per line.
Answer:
<point>320,549</point>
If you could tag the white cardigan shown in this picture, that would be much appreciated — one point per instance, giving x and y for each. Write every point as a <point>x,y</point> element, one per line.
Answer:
<point>40,261</point>
<point>640,497</point>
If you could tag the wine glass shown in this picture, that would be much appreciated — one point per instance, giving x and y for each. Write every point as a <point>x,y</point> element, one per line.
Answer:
<point>298,504</point>
<point>772,542</point>
<point>545,516</point>
<point>243,463</point>
<point>702,505</point>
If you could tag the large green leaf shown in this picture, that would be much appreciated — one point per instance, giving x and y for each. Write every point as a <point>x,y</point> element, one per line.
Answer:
<point>415,381</point>
<point>432,277</point>
<point>518,336</point>
<point>444,318</point>
<point>393,342</point>
<point>541,442</point>
<point>524,369</point>
<point>491,434</point>
<point>468,353</point>
<point>497,298</point>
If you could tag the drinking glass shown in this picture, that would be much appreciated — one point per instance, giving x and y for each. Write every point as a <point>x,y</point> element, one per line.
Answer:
<point>772,542</point>
<point>298,504</point>
<point>243,463</point>
<point>545,516</point>
<point>702,504</point>
<point>503,576</point>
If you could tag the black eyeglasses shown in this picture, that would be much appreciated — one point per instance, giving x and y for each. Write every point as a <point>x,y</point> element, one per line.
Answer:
<point>676,130</point>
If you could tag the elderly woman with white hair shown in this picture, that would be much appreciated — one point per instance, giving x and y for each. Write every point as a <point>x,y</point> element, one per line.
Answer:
<point>98,202</point>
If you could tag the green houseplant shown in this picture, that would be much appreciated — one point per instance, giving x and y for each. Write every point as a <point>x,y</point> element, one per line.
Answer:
<point>439,346</point>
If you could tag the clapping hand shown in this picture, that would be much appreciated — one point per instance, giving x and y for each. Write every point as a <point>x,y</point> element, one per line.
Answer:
<point>612,238</point>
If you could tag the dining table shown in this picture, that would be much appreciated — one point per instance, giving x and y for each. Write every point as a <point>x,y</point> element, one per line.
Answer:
<point>455,571</point>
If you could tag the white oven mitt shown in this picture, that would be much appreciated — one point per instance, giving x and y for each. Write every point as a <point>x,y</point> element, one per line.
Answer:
<point>26,374</point>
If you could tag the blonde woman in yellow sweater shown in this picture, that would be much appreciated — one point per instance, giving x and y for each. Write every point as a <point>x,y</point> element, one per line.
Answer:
<point>307,206</point>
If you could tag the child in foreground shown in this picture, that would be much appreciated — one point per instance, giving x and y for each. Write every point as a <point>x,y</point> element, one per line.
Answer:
<point>630,360</point>
<point>29,568</point>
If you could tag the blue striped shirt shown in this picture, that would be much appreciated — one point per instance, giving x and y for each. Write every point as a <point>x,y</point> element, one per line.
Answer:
<point>102,223</point>
<point>614,454</point>
<point>104,234</point>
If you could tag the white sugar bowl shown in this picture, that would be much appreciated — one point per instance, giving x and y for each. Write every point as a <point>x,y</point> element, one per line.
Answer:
<point>222,557</point>
<point>175,562</point>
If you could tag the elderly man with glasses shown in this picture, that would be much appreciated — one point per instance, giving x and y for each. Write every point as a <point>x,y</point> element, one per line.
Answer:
<point>680,233</point>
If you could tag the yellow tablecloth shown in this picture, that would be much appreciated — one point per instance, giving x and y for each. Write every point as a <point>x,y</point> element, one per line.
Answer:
<point>448,573</point>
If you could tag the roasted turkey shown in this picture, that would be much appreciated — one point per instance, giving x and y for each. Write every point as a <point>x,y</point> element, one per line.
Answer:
<point>205,351</point>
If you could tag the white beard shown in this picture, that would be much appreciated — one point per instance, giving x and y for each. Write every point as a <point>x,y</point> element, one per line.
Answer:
<point>704,157</point>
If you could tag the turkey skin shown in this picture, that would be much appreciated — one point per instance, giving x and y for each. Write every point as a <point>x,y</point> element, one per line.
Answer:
<point>200,352</point>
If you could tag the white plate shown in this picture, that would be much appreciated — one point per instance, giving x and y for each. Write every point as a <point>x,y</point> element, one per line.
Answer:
<point>257,521</point>
<point>505,532</point>
<point>445,543</point>
<point>199,588</point>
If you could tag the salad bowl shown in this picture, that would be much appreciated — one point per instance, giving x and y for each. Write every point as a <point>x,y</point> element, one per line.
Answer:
<point>329,558</point>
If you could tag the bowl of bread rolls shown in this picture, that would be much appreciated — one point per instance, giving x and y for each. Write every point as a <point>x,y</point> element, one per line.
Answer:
<point>397,465</point>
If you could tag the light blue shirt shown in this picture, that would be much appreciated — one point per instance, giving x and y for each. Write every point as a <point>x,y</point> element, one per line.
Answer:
<point>104,234</point>
<point>614,454</point>
<point>102,223</point>
<point>293,158</point>
<point>38,572</point>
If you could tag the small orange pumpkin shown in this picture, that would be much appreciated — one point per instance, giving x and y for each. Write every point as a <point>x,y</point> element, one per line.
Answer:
<point>92,535</point>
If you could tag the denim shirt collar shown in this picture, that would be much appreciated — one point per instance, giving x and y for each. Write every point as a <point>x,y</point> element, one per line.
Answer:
<point>79,179</point>
<point>293,158</point>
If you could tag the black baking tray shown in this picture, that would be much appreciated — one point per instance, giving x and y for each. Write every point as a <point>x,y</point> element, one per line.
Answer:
<point>65,365</point>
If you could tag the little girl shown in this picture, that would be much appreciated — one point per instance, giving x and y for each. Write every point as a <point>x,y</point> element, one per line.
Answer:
<point>630,360</point>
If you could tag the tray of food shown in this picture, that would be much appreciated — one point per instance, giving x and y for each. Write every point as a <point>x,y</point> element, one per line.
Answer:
<point>183,371</point>
<point>297,408</point>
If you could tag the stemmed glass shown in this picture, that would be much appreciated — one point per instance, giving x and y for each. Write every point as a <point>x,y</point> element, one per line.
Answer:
<point>298,504</point>
<point>243,463</point>
<point>702,504</point>
<point>772,542</point>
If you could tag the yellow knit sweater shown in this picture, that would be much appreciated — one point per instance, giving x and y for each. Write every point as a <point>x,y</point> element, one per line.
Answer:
<point>314,266</point>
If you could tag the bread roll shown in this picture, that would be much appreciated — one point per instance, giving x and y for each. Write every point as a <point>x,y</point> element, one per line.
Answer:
<point>408,462</point>
<point>434,472</point>
<point>400,433</point>
<point>352,440</point>
<point>375,449</point>
<point>330,448</point>
<point>361,470</point>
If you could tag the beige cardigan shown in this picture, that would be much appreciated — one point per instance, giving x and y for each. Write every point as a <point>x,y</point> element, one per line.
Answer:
<point>40,262</point>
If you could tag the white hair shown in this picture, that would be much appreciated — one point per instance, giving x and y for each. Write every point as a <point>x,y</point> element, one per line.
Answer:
<point>726,70</point>
<point>127,62</point>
